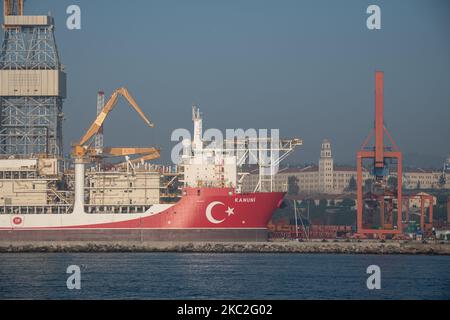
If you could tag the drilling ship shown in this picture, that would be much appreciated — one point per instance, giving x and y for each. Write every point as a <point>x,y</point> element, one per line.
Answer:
<point>44,196</point>
<point>128,204</point>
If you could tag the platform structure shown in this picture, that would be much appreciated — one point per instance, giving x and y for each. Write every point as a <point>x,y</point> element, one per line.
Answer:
<point>32,85</point>
<point>267,152</point>
<point>424,202</point>
<point>383,199</point>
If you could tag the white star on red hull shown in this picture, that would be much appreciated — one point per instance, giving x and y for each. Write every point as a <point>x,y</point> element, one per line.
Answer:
<point>230,211</point>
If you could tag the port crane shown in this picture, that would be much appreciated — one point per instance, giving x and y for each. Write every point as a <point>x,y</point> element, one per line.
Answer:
<point>83,149</point>
<point>382,198</point>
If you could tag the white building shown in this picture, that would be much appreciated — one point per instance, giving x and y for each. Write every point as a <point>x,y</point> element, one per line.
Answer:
<point>326,176</point>
<point>329,178</point>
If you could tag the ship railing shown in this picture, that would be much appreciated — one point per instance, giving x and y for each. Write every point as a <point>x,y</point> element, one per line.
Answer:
<point>117,208</point>
<point>36,209</point>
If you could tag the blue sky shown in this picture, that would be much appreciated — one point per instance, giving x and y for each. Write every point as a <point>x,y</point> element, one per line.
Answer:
<point>306,67</point>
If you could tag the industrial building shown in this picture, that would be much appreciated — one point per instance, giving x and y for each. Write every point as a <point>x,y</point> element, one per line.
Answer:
<point>30,185</point>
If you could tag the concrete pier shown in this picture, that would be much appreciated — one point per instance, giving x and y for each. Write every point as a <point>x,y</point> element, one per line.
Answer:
<point>364,247</point>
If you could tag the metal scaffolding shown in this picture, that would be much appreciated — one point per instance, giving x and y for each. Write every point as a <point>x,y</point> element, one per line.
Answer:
<point>30,113</point>
<point>267,153</point>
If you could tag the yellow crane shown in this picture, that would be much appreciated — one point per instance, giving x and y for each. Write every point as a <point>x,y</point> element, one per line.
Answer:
<point>82,149</point>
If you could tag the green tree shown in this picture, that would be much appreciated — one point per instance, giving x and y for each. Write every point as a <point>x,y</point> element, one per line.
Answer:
<point>368,185</point>
<point>347,202</point>
<point>351,184</point>
<point>323,203</point>
<point>305,202</point>
<point>441,199</point>
<point>392,182</point>
<point>442,181</point>
<point>293,187</point>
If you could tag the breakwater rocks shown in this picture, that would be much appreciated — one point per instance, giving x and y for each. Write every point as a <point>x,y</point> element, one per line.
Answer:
<point>363,247</point>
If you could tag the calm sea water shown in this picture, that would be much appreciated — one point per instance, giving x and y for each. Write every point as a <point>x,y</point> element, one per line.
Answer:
<point>222,276</point>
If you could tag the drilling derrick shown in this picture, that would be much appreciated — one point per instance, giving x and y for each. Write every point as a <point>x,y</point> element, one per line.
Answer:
<point>32,85</point>
<point>381,201</point>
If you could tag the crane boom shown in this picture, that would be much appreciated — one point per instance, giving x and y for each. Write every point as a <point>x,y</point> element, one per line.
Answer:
<point>127,151</point>
<point>379,126</point>
<point>147,157</point>
<point>81,149</point>
<point>96,125</point>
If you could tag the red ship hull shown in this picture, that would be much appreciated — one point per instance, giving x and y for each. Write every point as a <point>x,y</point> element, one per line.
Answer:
<point>217,214</point>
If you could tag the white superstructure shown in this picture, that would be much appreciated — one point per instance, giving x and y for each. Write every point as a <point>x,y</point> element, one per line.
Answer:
<point>207,166</point>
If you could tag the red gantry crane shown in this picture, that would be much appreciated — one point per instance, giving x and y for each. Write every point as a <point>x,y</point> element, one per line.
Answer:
<point>383,198</point>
